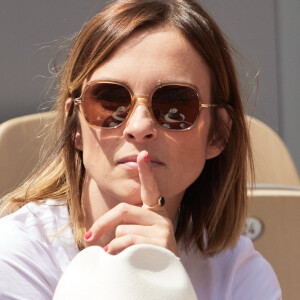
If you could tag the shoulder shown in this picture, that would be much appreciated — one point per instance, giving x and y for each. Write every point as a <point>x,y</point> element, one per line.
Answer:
<point>238,273</point>
<point>36,245</point>
<point>40,222</point>
<point>251,273</point>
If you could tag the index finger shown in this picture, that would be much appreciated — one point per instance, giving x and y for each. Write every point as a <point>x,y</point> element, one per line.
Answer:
<point>150,193</point>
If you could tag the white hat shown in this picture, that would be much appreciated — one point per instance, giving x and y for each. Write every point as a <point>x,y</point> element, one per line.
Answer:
<point>140,272</point>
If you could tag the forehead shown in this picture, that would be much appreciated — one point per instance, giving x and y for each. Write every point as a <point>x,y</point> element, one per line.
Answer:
<point>155,55</point>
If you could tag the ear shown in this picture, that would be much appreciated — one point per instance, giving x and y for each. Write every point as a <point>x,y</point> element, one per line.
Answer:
<point>67,106</point>
<point>219,137</point>
<point>78,136</point>
<point>78,140</point>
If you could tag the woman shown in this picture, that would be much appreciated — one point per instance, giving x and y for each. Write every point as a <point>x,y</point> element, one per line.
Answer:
<point>151,148</point>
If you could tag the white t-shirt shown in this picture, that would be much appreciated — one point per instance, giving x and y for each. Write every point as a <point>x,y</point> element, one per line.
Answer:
<point>34,254</point>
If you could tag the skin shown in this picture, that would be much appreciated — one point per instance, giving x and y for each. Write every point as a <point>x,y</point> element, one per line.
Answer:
<point>119,180</point>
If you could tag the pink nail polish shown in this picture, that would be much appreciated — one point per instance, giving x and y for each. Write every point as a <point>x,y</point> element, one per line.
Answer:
<point>146,158</point>
<point>88,234</point>
<point>105,248</point>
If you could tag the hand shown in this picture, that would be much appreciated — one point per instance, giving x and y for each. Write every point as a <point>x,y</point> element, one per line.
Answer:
<point>137,225</point>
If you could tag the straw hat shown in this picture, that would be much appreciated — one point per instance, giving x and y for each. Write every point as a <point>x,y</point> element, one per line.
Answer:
<point>140,272</point>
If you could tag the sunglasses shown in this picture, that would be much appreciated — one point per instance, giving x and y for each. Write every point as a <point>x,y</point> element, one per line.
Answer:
<point>173,106</point>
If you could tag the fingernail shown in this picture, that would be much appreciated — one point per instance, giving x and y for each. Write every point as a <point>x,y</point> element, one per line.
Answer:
<point>146,158</point>
<point>88,234</point>
<point>105,248</point>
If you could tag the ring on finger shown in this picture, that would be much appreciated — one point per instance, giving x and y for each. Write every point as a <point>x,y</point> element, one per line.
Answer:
<point>160,202</point>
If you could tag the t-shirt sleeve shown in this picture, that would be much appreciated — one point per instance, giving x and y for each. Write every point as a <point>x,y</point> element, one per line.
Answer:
<point>33,254</point>
<point>23,273</point>
<point>23,266</point>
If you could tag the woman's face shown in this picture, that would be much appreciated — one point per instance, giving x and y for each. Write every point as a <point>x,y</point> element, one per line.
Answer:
<point>143,61</point>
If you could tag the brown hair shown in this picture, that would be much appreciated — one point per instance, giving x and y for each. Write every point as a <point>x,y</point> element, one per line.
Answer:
<point>215,204</point>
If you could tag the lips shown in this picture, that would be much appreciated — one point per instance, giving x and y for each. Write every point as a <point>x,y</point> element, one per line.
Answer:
<point>131,161</point>
<point>128,159</point>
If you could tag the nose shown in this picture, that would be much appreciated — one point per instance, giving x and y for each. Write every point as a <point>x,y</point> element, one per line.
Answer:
<point>140,127</point>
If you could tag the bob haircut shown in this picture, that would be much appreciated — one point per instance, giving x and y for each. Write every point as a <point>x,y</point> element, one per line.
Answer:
<point>213,209</point>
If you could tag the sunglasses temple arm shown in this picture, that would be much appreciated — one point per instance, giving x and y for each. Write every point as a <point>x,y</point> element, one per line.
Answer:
<point>77,101</point>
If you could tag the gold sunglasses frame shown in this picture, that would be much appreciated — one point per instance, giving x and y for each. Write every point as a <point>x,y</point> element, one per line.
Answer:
<point>136,100</point>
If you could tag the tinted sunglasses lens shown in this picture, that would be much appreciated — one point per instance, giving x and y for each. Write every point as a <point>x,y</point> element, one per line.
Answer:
<point>175,107</point>
<point>106,104</point>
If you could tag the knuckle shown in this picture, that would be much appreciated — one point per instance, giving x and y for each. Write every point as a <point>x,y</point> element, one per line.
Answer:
<point>164,235</point>
<point>167,223</point>
<point>161,242</point>
<point>96,227</point>
<point>120,231</point>
<point>165,241</point>
<point>166,230</point>
<point>131,239</point>
<point>123,208</point>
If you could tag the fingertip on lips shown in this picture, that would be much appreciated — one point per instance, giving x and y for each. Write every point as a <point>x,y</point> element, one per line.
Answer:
<point>143,156</point>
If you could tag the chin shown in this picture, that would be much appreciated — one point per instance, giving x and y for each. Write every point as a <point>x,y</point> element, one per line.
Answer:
<point>129,193</point>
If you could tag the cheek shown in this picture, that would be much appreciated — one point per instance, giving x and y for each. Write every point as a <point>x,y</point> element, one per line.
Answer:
<point>91,155</point>
<point>193,143</point>
<point>99,148</point>
<point>187,159</point>
<point>92,149</point>
<point>193,152</point>
<point>192,161</point>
